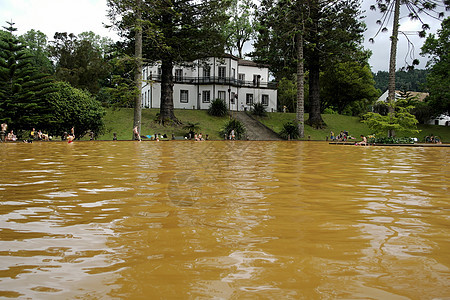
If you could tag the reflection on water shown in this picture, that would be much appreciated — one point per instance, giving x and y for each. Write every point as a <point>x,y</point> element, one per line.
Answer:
<point>276,220</point>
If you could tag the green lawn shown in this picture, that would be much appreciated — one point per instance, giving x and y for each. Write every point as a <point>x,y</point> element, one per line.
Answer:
<point>336,123</point>
<point>121,122</point>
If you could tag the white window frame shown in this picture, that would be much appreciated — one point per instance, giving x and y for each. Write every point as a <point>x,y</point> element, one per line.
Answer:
<point>178,74</point>
<point>222,95</point>
<point>184,96</point>
<point>206,96</point>
<point>249,99</point>
<point>207,71</point>
<point>265,99</point>
<point>222,72</point>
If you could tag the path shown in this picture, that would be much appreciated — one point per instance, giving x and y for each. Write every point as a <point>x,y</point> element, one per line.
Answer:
<point>255,131</point>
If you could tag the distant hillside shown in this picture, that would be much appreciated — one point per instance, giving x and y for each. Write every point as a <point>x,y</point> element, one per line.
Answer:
<point>413,81</point>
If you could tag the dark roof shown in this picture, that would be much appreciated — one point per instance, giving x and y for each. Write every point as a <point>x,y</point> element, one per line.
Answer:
<point>249,63</point>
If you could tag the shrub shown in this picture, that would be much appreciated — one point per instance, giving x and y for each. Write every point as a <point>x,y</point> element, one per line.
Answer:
<point>390,140</point>
<point>290,130</point>
<point>239,129</point>
<point>330,111</point>
<point>192,128</point>
<point>259,110</point>
<point>218,108</point>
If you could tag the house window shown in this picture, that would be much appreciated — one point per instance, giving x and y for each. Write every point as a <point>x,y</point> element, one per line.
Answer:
<point>206,71</point>
<point>265,100</point>
<point>241,78</point>
<point>222,72</point>
<point>178,75</point>
<point>143,74</point>
<point>233,73</point>
<point>184,96</point>
<point>222,95</point>
<point>206,96</point>
<point>256,79</point>
<point>233,97</point>
<point>249,99</point>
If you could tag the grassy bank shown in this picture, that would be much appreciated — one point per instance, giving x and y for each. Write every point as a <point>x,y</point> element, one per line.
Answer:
<point>336,123</point>
<point>121,122</point>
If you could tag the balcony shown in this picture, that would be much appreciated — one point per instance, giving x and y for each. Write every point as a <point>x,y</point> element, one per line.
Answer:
<point>218,80</point>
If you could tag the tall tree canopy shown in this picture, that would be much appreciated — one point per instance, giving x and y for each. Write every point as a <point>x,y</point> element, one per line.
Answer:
<point>438,81</point>
<point>239,30</point>
<point>348,84</point>
<point>80,60</point>
<point>332,31</point>
<point>36,44</point>
<point>174,32</point>
<point>23,89</point>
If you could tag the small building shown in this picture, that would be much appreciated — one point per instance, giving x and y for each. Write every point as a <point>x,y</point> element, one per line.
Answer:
<point>442,120</point>
<point>237,81</point>
<point>417,95</point>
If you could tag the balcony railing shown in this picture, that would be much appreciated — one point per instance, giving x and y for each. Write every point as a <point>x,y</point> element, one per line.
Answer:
<point>218,80</point>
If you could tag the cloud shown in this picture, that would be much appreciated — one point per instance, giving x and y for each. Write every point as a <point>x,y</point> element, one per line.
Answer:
<point>381,48</point>
<point>50,16</point>
<point>76,16</point>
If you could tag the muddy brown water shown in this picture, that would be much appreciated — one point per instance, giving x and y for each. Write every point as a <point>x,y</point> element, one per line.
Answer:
<point>223,220</point>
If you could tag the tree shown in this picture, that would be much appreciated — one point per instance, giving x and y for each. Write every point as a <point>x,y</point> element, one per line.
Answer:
<point>78,61</point>
<point>174,32</point>
<point>239,29</point>
<point>438,81</point>
<point>36,44</point>
<point>76,108</point>
<point>398,120</point>
<point>280,21</point>
<point>330,31</point>
<point>23,89</point>
<point>138,65</point>
<point>391,9</point>
<point>412,80</point>
<point>345,84</point>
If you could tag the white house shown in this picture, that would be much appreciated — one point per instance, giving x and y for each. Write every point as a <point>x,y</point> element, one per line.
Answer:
<point>239,82</point>
<point>443,120</point>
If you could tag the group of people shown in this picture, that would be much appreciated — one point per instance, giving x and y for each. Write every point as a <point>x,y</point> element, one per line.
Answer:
<point>7,137</point>
<point>38,136</point>
<point>433,139</point>
<point>343,136</point>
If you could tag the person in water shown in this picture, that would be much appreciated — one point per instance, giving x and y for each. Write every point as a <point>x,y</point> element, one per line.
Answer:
<point>137,137</point>
<point>363,141</point>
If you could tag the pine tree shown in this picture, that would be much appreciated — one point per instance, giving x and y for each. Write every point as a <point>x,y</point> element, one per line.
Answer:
<point>23,90</point>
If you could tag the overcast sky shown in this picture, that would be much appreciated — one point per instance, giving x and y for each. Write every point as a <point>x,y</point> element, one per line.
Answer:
<point>76,16</point>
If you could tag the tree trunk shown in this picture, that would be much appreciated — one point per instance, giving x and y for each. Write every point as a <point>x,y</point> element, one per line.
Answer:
<point>166,113</point>
<point>392,62</point>
<point>138,66</point>
<point>300,87</point>
<point>315,119</point>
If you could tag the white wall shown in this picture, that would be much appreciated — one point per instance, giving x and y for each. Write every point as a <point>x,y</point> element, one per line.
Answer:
<point>151,91</point>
